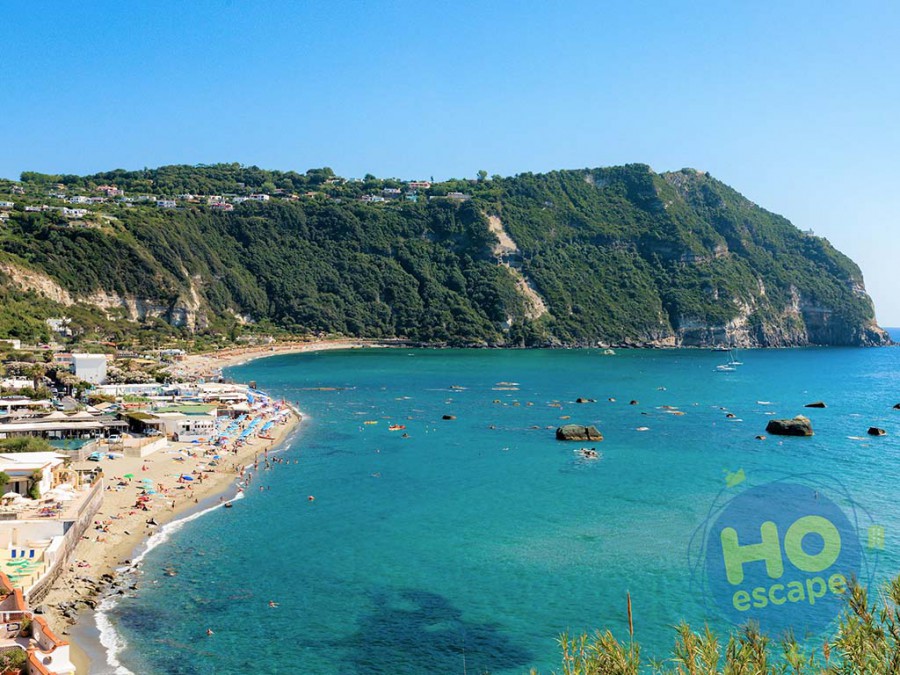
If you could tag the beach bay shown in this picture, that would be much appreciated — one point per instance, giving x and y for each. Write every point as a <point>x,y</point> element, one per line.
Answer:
<point>473,543</point>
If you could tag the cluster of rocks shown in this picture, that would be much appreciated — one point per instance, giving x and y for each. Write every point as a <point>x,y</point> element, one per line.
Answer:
<point>92,592</point>
<point>801,426</point>
<point>578,432</point>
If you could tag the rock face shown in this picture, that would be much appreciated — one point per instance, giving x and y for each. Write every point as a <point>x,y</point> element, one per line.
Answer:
<point>578,432</point>
<point>799,426</point>
<point>817,404</point>
<point>875,431</point>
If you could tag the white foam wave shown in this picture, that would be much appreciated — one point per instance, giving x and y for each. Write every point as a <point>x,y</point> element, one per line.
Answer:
<point>112,642</point>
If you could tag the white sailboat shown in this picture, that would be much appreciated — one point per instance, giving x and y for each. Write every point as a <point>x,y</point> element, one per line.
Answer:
<point>732,364</point>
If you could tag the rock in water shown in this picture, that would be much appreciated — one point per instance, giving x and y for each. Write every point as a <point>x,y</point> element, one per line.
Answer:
<point>448,417</point>
<point>578,432</point>
<point>875,431</point>
<point>817,404</point>
<point>799,426</point>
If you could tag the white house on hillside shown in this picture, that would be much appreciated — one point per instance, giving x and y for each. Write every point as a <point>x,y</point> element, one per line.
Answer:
<point>90,367</point>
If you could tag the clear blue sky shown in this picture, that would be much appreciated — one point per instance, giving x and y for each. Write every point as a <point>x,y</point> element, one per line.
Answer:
<point>795,104</point>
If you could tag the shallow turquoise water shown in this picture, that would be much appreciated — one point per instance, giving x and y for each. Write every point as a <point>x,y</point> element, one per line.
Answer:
<point>466,548</point>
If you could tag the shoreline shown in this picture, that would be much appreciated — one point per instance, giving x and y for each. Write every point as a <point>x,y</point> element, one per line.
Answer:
<point>93,571</point>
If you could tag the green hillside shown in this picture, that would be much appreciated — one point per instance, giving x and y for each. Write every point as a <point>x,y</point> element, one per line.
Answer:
<point>613,255</point>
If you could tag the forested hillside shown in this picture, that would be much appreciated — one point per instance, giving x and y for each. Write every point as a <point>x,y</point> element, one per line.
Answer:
<point>614,255</point>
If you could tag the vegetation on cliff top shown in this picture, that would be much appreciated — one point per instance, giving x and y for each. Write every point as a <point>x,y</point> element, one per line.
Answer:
<point>618,254</point>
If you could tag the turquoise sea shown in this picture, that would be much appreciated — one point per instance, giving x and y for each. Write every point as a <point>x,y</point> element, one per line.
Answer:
<point>472,544</point>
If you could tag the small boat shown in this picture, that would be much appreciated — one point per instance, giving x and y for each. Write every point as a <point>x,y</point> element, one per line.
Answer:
<point>725,368</point>
<point>397,427</point>
<point>371,422</point>
<point>609,352</point>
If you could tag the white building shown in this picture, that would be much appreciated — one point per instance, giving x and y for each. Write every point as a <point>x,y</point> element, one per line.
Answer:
<point>22,467</point>
<point>166,203</point>
<point>90,367</point>
<point>259,197</point>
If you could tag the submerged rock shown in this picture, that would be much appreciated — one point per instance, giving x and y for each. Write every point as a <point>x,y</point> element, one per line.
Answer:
<point>799,426</point>
<point>875,431</point>
<point>578,432</point>
<point>817,404</point>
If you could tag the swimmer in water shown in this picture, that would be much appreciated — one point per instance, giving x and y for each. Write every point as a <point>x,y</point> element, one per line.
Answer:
<point>272,603</point>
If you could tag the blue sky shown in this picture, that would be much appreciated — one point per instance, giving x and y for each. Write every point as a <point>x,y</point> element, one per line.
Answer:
<point>794,104</point>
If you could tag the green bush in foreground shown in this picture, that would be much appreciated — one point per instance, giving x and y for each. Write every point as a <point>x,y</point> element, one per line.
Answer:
<point>867,642</point>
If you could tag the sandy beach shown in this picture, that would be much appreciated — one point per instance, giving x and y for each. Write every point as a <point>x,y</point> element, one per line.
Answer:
<point>211,364</point>
<point>121,528</point>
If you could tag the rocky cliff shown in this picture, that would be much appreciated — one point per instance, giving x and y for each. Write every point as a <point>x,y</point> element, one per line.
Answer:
<point>619,255</point>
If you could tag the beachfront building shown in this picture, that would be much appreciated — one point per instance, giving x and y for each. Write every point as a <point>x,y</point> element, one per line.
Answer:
<point>23,405</point>
<point>26,469</point>
<point>44,652</point>
<point>186,423</point>
<point>59,425</point>
<point>21,630</point>
<point>90,367</point>
<point>137,389</point>
<point>47,654</point>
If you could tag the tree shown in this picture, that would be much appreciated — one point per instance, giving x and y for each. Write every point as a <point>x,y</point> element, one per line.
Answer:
<point>482,176</point>
<point>34,490</point>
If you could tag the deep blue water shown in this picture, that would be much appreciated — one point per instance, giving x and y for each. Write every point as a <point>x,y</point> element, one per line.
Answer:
<point>472,544</point>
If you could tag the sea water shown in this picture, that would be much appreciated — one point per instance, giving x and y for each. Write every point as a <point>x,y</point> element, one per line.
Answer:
<point>469,545</point>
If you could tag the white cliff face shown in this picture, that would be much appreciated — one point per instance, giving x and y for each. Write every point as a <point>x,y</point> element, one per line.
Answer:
<point>507,253</point>
<point>184,312</point>
<point>37,282</point>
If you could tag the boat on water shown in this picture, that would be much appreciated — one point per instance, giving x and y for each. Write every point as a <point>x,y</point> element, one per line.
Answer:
<point>396,427</point>
<point>732,364</point>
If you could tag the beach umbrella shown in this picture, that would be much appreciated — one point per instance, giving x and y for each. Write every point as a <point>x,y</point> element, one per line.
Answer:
<point>11,495</point>
<point>186,477</point>
<point>128,475</point>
